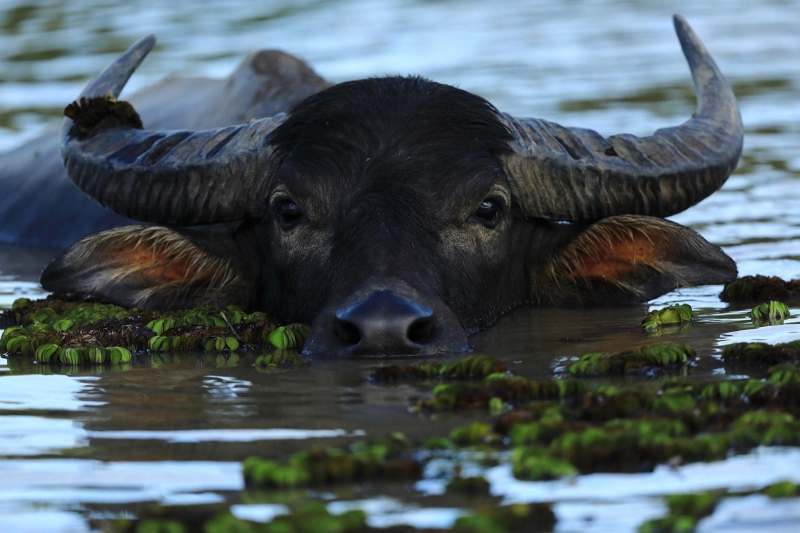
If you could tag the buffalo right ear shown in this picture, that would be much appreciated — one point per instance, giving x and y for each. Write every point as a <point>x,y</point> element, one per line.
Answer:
<point>154,267</point>
<point>629,259</point>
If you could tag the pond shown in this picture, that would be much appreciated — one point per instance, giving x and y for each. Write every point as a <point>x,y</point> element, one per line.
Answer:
<point>78,448</point>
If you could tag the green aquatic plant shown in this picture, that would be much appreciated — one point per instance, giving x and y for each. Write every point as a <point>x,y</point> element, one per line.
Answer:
<point>472,485</point>
<point>279,359</point>
<point>781,489</point>
<point>314,517</point>
<point>685,510</point>
<point>645,359</point>
<point>306,517</point>
<point>23,365</point>
<point>161,526</point>
<point>762,354</point>
<point>497,406</point>
<point>382,458</point>
<point>515,518</point>
<point>291,336</point>
<point>470,367</point>
<point>622,428</point>
<point>543,429</point>
<point>507,389</point>
<point>772,312</point>
<point>672,315</point>
<point>785,374</point>
<point>60,330</point>
<point>761,288</point>
<point>474,433</point>
<point>534,464</point>
<point>551,429</point>
<point>549,426</point>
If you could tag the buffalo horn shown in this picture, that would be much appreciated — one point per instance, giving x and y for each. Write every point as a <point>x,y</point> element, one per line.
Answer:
<point>167,177</point>
<point>574,174</point>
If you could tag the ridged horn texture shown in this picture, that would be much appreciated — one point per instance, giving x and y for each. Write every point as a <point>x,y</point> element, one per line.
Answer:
<point>574,174</point>
<point>169,177</point>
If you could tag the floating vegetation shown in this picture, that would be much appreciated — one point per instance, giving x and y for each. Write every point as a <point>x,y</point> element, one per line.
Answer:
<point>292,336</point>
<point>384,458</point>
<point>533,465</point>
<point>540,429</point>
<point>686,510</point>
<point>471,485</point>
<point>474,433</point>
<point>668,423</point>
<point>672,315</point>
<point>508,389</point>
<point>762,354</point>
<point>647,359</point>
<point>471,367</point>
<point>303,518</point>
<point>559,428</point>
<point>785,374</point>
<point>781,489</point>
<point>309,517</point>
<point>314,517</point>
<point>515,518</point>
<point>772,313</point>
<point>27,365</point>
<point>277,360</point>
<point>761,288</point>
<point>69,330</point>
<point>605,430</point>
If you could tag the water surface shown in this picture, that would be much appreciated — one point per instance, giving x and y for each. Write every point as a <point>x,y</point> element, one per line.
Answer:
<point>75,448</point>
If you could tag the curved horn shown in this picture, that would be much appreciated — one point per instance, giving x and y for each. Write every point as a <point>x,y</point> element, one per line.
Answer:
<point>167,177</point>
<point>574,174</point>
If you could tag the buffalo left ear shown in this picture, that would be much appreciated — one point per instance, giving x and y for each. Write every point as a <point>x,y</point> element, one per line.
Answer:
<point>628,260</point>
<point>154,267</point>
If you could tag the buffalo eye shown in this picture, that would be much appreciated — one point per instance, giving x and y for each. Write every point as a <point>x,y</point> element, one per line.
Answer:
<point>489,212</point>
<point>288,214</point>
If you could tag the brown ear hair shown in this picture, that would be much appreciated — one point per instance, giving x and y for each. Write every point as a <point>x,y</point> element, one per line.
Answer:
<point>153,267</point>
<point>630,259</point>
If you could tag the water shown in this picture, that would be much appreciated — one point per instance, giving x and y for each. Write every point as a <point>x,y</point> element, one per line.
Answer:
<point>75,448</point>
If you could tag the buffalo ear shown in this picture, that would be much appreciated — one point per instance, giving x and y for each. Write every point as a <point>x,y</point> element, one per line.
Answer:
<point>154,267</point>
<point>631,259</point>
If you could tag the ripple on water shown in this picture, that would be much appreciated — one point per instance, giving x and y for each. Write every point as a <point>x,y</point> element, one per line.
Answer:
<point>47,393</point>
<point>743,472</point>
<point>87,481</point>
<point>35,435</point>
<point>11,289</point>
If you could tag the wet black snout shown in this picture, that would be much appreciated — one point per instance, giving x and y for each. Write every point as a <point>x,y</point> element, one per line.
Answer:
<point>385,323</point>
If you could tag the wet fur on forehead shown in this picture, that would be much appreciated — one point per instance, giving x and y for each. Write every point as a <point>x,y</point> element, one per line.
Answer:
<point>389,160</point>
<point>402,128</point>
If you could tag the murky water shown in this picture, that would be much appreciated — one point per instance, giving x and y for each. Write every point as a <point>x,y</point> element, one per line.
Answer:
<point>73,448</point>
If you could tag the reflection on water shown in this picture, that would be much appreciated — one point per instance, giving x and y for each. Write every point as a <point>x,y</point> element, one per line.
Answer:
<point>176,431</point>
<point>765,466</point>
<point>33,435</point>
<point>224,435</point>
<point>56,480</point>
<point>750,513</point>
<point>24,393</point>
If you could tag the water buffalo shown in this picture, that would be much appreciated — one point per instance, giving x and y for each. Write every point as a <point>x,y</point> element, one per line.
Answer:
<point>396,215</point>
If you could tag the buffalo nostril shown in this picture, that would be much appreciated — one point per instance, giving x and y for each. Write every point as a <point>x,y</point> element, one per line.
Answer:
<point>384,323</point>
<point>421,330</point>
<point>346,331</point>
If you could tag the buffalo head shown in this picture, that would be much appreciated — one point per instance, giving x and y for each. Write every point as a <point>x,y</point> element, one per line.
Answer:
<point>396,215</point>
